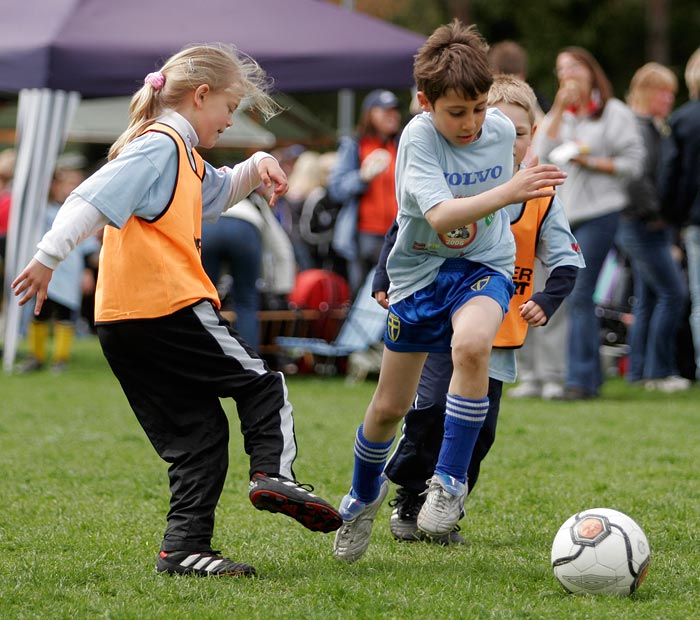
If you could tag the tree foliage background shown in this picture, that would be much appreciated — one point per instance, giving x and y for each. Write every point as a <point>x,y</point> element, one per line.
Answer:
<point>621,34</point>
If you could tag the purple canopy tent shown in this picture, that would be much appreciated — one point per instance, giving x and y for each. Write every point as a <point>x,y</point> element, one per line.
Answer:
<point>104,48</point>
<point>100,48</point>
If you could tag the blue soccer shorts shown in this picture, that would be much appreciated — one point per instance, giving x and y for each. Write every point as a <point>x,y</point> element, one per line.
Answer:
<point>423,321</point>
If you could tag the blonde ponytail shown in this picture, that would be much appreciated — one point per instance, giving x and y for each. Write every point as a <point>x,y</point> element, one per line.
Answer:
<point>219,65</point>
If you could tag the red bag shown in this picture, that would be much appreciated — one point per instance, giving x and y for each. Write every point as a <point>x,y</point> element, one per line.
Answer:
<point>325,291</point>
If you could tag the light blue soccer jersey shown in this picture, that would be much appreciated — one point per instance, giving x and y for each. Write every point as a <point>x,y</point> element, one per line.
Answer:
<point>429,170</point>
<point>140,181</point>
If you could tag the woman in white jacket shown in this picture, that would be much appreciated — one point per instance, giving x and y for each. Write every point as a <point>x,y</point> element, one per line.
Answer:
<point>594,138</point>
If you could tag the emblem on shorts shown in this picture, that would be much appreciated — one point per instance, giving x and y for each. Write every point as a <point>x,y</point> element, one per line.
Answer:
<point>480,285</point>
<point>393,327</point>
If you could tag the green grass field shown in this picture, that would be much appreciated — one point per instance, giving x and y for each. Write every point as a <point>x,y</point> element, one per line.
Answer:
<point>84,498</point>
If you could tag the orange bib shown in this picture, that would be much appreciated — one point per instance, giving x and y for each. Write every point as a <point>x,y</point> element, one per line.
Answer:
<point>526,228</point>
<point>150,269</point>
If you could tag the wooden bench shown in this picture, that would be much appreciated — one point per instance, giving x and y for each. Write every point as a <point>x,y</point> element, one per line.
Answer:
<point>293,323</point>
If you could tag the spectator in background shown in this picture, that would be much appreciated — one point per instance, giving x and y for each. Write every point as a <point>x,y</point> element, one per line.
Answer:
<point>248,254</point>
<point>362,180</point>
<point>317,219</point>
<point>234,245</point>
<point>510,58</point>
<point>679,183</point>
<point>62,306</point>
<point>305,176</point>
<point>659,290</point>
<point>594,138</point>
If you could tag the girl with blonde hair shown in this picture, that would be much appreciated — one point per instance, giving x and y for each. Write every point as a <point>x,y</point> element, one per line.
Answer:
<point>157,312</point>
<point>647,240</point>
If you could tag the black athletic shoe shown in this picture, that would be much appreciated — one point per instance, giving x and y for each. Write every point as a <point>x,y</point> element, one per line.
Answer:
<point>452,538</point>
<point>294,500</point>
<point>403,522</point>
<point>204,564</point>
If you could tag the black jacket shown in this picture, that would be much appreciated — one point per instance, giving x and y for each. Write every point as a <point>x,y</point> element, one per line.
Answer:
<point>644,203</point>
<point>679,167</point>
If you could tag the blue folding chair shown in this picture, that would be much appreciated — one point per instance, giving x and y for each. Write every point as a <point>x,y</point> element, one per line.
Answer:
<point>363,327</point>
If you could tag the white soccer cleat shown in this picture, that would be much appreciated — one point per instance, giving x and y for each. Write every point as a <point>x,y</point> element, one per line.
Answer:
<point>352,539</point>
<point>444,505</point>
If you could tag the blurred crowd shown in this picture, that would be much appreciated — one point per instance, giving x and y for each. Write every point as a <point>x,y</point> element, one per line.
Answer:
<point>631,198</point>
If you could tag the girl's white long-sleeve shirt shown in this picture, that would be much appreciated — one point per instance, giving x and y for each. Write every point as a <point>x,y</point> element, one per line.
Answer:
<point>140,182</point>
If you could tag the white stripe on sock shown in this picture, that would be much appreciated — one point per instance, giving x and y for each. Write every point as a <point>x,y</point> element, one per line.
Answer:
<point>371,455</point>
<point>466,410</point>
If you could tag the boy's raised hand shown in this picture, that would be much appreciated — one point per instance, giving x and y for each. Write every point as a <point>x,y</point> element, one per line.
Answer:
<point>34,280</point>
<point>536,180</point>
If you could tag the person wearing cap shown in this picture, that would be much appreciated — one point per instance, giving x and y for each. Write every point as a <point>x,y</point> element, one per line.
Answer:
<point>362,180</point>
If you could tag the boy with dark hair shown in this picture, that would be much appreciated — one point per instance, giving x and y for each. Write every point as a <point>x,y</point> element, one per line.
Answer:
<point>451,274</point>
<point>541,231</point>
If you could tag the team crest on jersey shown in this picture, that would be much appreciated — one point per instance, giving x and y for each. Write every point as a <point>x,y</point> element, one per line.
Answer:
<point>459,237</point>
<point>480,285</point>
<point>393,327</point>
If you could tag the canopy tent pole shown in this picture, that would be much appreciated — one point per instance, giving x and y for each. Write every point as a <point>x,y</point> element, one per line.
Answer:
<point>346,97</point>
<point>43,118</point>
<point>346,112</point>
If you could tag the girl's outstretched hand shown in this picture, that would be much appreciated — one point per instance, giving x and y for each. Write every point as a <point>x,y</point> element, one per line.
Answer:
<point>34,280</point>
<point>273,178</point>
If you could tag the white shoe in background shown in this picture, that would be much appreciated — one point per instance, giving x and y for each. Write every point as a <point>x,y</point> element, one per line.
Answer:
<point>527,389</point>
<point>552,391</point>
<point>670,384</point>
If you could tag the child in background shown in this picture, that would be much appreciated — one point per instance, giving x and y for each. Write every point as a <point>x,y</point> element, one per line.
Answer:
<point>541,231</point>
<point>157,313</point>
<point>64,296</point>
<point>450,271</point>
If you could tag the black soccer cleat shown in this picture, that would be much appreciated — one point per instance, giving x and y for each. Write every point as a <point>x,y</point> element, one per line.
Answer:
<point>294,500</point>
<point>202,564</point>
<point>403,523</point>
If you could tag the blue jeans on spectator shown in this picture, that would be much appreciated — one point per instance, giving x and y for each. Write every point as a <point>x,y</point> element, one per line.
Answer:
<point>595,237</point>
<point>692,250</point>
<point>237,245</point>
<point>660,298</point>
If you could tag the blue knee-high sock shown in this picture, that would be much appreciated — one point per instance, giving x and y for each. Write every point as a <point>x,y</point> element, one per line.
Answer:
<point>463,420</point>
<point>370,459</point>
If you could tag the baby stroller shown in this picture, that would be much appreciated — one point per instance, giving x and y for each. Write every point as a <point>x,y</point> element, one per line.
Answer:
<point>614,298</point>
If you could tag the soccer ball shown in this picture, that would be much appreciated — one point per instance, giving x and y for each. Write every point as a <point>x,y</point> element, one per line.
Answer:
<point>600,551</point>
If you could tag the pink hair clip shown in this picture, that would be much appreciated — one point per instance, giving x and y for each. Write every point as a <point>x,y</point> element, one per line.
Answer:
<point>156,80</point>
